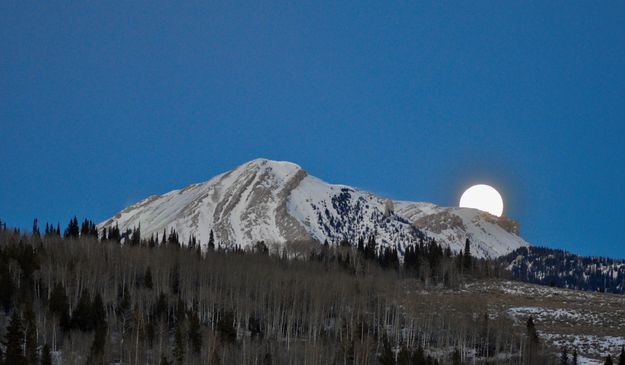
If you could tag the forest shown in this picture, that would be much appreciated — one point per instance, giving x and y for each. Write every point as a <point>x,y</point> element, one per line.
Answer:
<point>86,297</point>
<point>547,266</point>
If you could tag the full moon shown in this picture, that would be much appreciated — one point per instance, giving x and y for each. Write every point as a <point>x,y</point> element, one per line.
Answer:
<point>483,197</point>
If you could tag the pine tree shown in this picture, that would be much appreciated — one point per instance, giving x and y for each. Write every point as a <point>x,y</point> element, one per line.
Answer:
<point>88,228</point>
<point>564,357</point>
<point>72,230</point>
<point>30,334</point>
<point>147,278</point>
<point>532,334</point>
<point>211,241</point>
<point>15,341</point>
<point>466,258</point>
<point>532,346</point>
<point>361,245</point>
<point>456,359</point>
<point>7,287</point>
<point>123,302</point>
<point>195,331</point>
<point>98,314</point>
<point>226,329</point>
<point>59,306</point>
<point>608,360</point>
<point>46,356</point>
<point>404,357</point>
<point>621,358</point>
<point>162,306</point>
<point>173,239</point>
<point>81,316</point>
<point>371,249</point>
<point>135,237</point>
<point>175,279</point>
<point>574,361</point>
<point>215,360</point>
<point>179,340</point>
<point>386,357</point>
<point>418,356</point>
<point>36,228</point>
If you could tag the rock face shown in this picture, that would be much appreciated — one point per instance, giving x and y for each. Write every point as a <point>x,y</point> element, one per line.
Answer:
<point>278,201</point>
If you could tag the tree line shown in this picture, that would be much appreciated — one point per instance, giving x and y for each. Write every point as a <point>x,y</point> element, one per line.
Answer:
<point>86,297</point>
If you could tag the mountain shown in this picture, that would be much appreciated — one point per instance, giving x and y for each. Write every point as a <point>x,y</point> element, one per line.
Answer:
<point>276,201</point>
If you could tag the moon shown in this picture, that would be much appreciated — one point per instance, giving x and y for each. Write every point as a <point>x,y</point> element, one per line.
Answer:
<point>483,197</point>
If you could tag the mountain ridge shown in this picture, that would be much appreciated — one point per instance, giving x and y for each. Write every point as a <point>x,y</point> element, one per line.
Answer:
<point>278,201</point>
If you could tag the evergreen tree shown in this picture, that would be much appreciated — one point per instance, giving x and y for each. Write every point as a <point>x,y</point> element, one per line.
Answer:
<point>15,341</point>
<point>466,258</point>
<point>46,356</point>
<point>195,331</point>
<point>532,343</point>
<point>564,357</point>
<point>81,316</point>
<point>175,279</point>
<point>29,263</point>
<point>36,228</point>
<point>371,249</point>
<point>226,329</point>
<point>621,358</point>
<point>72,230</point>
<point>88,228</point>
<point>532,334</point>
<point>30,334</point>
<point>418,356</point>
<point>173,239</point>
<point>387,357</point>
<point>164,360</point>
<point>215,360</point>
<point>211,241</point>
<point>114,234</point>
<point>147,278</point>
<point>179,339</point>
<point>162,306</point>
<point>7,287</point>
<point>574,361</point>
<point>404,357</point>
<point>361,245</point>
<point>135,237</point>
<point>608,360</point>
<point>456,359</point>
<point>59,306</point>
<point>98,314</point>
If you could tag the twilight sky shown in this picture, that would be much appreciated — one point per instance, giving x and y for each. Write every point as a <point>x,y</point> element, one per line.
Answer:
<point>103,104</point>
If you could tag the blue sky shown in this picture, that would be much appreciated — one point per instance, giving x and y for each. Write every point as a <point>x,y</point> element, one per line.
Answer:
<point>102,104</point>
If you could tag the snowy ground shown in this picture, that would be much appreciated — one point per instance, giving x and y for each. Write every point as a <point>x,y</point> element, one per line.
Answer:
<point>592,323</point>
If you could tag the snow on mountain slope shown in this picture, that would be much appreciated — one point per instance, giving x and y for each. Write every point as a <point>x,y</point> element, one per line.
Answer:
<point>278,202</point>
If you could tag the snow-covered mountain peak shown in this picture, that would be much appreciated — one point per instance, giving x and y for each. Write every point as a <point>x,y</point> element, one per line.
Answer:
<point>279,168</point>
<point>277,201</point>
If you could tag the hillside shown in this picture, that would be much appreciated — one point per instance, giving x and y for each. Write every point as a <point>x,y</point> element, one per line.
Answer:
<point>546,266</point>
<point>77,299</point>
